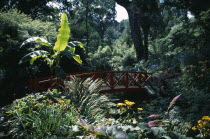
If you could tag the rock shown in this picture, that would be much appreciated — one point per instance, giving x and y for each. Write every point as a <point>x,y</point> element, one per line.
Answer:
<point>111,129</point>
<point>101,129</point>
<point>158,131</point>
<point>121,135</point>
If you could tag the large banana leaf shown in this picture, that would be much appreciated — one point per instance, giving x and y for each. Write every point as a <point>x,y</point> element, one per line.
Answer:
<point>69,55</point>
<point>77,58</point>
<point>64,34</point>
<point>71,49</point>
<point>36,39</point>
<point>76,43</point>
<point>33,56</point>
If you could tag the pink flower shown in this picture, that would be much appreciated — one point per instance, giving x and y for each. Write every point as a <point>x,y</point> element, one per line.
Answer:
<point>144,101</point>
<point>153,116</point>
<point>175,98</point>
<point>50,101</point>
<point>173,102</point>
<point>153,123</point>
<point>170,114</point>
<point>59,100</point>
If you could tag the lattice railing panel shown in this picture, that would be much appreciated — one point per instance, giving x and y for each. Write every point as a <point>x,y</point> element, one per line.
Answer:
<point>111,79</point>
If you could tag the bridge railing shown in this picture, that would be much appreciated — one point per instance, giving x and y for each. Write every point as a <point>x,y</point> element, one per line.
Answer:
<point>110,79</point>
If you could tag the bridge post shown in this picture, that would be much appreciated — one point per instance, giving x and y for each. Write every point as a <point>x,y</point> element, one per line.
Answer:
<point>31,84</point>
<point>112,80</point>
<point>127,80</point>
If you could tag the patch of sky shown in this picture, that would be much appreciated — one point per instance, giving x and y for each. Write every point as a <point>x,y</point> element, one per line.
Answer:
<point>121,13</point>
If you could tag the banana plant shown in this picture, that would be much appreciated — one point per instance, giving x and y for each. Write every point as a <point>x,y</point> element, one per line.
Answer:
<point>53,54</point>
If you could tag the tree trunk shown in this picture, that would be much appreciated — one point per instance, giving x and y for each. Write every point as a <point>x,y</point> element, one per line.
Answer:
<point>136,33</point>
<point>86,22</point>
<point>102,32</point>
<point>146,34</point>
<point>135,25</point>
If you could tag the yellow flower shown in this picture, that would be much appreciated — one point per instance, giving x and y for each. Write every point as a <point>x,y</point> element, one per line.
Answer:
<point>120,104</point>
<point>200,126</point>
<point>204,123</point>
<point>194,128</point>
<point>199,121</point>
<point>126,101</point>
<point>96,133</point>
<point>129,103</point>
<point>203,69</point>
<point>191,66</point>
<point>140,109</point>
<point>205,118</point>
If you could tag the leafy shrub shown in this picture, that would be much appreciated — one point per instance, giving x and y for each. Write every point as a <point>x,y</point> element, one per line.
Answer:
<point>100,59</point>
<point>15,27</point>
<point>41,115</point>
<point>54,54</point>
<point>116,57</point>
<point>55,114</point>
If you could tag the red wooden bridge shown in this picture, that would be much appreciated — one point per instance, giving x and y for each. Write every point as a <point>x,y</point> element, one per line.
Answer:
<point>112,81</point>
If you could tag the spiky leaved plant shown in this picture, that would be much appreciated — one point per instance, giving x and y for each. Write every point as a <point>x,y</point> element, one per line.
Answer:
<point>84,95</point>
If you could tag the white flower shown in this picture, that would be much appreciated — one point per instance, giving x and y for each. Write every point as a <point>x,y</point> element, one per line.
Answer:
<point>75,128</point>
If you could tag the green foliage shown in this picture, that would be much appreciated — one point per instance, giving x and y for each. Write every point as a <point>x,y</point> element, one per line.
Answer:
<point>91,19</point>
<point>41,115</point>
<point>178,50</point>
<point>15,28</point>
<point>100,59</point>
<point>63,36</point>
<point>52,113</point>
<point>53,58</point>
<point>36,9</point>
<point>117,57</point>
<point>33,56</point>
<point>85,96</point>
<point>184,45</point>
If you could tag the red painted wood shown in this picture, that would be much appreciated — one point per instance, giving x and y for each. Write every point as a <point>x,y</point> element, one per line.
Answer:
<point>113,80</point>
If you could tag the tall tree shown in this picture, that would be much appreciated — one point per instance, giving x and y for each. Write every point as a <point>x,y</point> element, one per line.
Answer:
<point>35,8</point>
<point>142,15</point>
<point>194,6</point>
<point>86,21</point>
<point>97,15</point>
<point>103,15</point>
<point>38,8</point>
